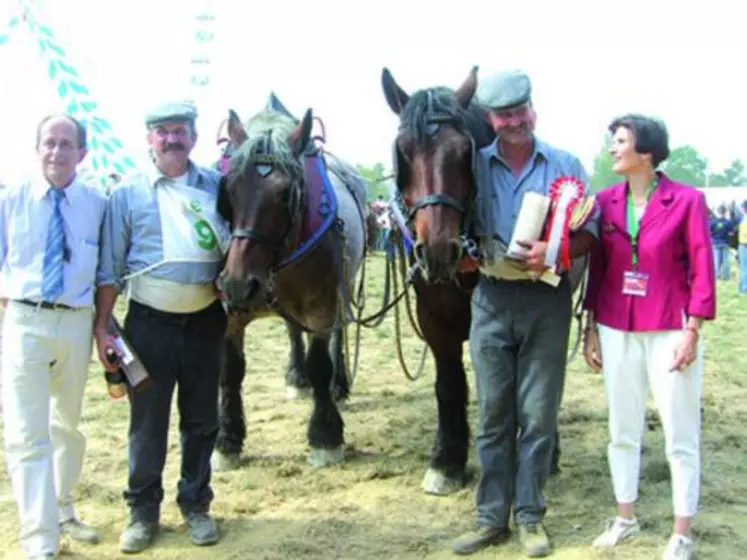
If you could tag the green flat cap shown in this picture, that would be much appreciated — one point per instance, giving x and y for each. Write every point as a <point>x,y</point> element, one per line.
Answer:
<point>504,90</point>
<point>175,111</point>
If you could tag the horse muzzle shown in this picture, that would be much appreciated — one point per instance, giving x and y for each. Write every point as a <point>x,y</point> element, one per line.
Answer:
<point>439,262</point>
<point>241,294</point>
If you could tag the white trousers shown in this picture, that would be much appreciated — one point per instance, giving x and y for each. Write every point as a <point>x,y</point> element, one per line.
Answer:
<point>45,357</point>
<point>633,363</point>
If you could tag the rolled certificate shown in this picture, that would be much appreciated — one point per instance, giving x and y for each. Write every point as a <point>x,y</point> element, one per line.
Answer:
<point>529,223</point>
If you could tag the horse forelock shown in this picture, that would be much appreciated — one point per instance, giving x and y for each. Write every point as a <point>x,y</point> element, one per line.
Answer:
<point>414,121</point>
<point>268,132</point>
<point>426,103</point>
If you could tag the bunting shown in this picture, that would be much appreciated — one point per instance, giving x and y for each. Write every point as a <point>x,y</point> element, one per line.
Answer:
<point>106,151</point>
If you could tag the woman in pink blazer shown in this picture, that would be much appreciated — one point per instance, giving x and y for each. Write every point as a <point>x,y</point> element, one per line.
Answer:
<point>651,284</point>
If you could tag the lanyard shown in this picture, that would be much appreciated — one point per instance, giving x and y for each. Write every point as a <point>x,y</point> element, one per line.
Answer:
<point>633,222</point>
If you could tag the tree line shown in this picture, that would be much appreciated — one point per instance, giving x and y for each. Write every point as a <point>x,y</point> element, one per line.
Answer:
<point>684,164</point>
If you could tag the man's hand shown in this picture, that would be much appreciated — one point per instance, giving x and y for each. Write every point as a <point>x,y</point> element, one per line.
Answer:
<point>535,257</point>
<point>104,342</point>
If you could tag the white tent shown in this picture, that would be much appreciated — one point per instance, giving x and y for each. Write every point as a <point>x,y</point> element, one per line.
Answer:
<point>724,195</point>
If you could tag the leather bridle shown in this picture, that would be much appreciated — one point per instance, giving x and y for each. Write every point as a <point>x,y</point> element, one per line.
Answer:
<point>434,120</point>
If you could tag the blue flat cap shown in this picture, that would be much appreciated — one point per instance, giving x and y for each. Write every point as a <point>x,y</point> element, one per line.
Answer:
<point>175,111</point>
<point>504,90</point>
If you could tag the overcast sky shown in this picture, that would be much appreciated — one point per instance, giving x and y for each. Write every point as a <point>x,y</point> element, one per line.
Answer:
<point>588,62</point>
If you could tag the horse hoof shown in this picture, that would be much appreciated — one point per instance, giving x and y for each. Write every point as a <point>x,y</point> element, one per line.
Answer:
<point>294,393</point>
<point>435,482</point>
<point>222,462</point>
<point>326,457</point>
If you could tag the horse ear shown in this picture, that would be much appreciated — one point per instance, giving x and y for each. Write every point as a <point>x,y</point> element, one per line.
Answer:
<point>236,131</point>
<point>299,138</point>
<point>466,91</point>
<point>223,202</point>
<point>395,95</point>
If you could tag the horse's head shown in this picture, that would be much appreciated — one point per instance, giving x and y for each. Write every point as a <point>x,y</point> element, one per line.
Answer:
<point>433,156</point>
<point>262,197</point>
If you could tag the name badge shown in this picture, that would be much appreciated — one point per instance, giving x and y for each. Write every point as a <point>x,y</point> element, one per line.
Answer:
<point>635,283</point>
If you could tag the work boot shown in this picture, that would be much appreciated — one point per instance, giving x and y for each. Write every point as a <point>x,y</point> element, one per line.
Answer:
<point>202,528</point>
<point>534,539</point>
<point>138,536</point>
<point>483,537</point>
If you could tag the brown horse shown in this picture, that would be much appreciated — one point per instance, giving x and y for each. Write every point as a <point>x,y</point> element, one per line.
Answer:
<point>434,153</point>
<point>298,238</point>
<point>232,422</point>
<point>438,134</point>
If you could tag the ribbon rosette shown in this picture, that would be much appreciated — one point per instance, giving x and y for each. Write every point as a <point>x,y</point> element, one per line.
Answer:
<point>565,194</point>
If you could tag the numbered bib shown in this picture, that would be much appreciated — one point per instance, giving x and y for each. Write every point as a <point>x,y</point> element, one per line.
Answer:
<point>192,229</point>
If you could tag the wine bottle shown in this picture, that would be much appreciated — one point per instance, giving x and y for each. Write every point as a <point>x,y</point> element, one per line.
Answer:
<point>115,381</point>
<point>129,363</point>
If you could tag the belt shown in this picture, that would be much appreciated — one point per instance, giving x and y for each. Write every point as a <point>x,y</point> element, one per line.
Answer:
<point>46,305</point>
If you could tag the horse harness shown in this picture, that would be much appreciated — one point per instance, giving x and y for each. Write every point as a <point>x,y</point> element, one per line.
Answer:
<point>264,163</point>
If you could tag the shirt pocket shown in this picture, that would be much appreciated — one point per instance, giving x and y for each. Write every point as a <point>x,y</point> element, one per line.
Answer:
<point>84,259</point>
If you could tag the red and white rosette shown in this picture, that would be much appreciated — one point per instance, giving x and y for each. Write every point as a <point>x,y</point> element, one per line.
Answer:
<point>565,194</point>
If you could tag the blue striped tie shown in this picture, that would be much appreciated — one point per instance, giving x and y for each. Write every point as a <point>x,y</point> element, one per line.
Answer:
<point>53,279</point>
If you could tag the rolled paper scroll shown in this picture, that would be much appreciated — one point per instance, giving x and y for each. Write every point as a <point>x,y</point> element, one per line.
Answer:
<point>529,223</point>
<point>565,194</point>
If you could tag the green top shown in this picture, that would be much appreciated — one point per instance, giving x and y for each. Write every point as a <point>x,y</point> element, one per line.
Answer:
<point>633,223</point>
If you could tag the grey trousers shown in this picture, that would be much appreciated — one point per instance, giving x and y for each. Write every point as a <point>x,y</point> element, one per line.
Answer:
<point>518,344</point>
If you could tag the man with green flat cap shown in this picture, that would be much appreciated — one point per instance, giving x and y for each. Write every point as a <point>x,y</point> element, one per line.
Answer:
<point>163,239</point>
<point>520,323</point>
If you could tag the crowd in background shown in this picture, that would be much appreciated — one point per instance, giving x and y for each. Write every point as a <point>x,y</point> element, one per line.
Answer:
<point>729,232</point>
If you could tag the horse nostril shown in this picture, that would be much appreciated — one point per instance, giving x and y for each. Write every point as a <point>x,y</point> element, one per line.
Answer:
<point>251,288</point>
<point>419,250</point>
<point>456,248</point>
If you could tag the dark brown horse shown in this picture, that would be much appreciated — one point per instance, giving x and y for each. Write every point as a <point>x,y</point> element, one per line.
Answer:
<point>298,239</point>
<point>434,152</point>
<point>438,133</point>
<point>232,422</point>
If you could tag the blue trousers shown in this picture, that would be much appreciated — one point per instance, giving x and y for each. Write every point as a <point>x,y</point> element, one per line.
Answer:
<point>721,255</point>
<point>518,344</point>
<point>743,269</point>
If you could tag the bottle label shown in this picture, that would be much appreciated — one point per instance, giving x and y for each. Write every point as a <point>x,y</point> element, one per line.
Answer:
<point>124,352</point>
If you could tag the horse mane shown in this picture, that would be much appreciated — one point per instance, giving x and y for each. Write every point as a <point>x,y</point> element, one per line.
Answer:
<point>471,121</point>
<point>267,133</point>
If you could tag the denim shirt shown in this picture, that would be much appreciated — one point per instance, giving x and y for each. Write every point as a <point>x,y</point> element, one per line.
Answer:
<point>132,236</point>
<point>501,192</point>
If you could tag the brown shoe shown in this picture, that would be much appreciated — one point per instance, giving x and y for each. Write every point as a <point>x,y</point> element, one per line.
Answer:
<point>534,539</point>
<point>471,542</point>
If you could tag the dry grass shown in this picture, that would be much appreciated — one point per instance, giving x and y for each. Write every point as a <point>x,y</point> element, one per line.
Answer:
<point>278,507</point>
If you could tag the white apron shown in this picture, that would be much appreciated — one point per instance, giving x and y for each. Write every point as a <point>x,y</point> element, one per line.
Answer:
<point>192,232</point>
<point>191,228</point>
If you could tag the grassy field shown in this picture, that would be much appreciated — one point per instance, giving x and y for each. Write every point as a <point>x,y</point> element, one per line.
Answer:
<point>278,507</point>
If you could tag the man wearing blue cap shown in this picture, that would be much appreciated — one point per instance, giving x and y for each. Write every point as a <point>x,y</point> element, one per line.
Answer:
<point>163,237</point>
<point>520,326</point>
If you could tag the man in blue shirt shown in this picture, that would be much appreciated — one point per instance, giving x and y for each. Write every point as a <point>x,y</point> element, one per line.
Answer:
<point>722,228</point>
<point>49,245</point>
<point>520,324</point>
<point>162,237</point>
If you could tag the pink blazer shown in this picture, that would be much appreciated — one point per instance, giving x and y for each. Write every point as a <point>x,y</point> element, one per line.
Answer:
<point>674,249</point>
